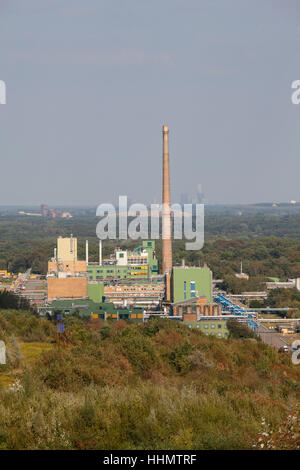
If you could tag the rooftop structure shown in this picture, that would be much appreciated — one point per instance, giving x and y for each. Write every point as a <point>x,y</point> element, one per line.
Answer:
<point>141,263</point>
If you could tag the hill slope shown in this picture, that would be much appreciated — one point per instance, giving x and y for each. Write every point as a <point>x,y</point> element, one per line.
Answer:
<point>153,386</point>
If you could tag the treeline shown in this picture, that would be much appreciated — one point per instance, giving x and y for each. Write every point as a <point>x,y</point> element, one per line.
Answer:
<point>12,301</point>
<point>270,256</point>
<point>29,242</point>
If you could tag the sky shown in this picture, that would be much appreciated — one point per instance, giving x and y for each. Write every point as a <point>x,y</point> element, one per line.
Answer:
<point>90,84</point>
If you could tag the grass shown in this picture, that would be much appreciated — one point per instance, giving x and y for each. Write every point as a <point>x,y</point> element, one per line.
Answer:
<point>33,350</point>
<point>6,379</point>
<point>30,352</point>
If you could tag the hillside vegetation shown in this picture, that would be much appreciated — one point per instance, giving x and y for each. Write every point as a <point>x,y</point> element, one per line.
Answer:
<point>155,386</point>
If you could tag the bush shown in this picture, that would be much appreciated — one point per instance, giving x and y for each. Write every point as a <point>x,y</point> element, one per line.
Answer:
<point>94,395</point>
<point>239,330</point>
<point>138,349</point>
<point>179,358</point>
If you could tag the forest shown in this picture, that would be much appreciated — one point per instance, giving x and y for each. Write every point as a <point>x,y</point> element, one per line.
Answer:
<point>267,244</point>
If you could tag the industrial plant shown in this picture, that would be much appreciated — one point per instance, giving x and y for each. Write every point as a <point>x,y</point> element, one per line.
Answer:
<point>130,284</point>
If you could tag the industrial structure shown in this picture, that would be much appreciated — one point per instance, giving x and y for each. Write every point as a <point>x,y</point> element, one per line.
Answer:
<point>166,213</point>
<point>129,284</point>
<point>166,263</point>
<point>141,263</point>
<point>131,279</point>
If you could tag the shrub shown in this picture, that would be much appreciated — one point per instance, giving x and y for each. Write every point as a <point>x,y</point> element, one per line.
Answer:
<point>179,358</point>
<point>138,349</point>
<point>239,330</point>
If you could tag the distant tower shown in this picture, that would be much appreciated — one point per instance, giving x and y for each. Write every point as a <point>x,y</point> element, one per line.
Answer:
<point>166,212</point>
<point>44,210</point>
<point>200,194</point>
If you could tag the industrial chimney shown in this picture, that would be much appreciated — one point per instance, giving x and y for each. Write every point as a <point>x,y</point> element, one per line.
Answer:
<point>87,252</point>
<point>166,212</point>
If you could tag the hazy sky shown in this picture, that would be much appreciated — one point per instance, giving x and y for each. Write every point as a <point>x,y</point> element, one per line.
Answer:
<point>90,84</point>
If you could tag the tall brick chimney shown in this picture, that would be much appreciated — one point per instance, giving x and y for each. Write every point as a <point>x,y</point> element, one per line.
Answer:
<point>166,213</point>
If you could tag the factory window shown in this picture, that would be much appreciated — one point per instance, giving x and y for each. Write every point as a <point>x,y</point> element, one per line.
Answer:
<point>219,326</point>
<point>205,326</point>
<point>213,326</point>
<point>220,334</point>
<point>193,289</point>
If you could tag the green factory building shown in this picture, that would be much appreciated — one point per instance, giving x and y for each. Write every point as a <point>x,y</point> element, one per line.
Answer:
<point>85,308</point>
<point>141,263</point>
<point>210,326</point>
<point>189,282</point>
<point>96,291</point>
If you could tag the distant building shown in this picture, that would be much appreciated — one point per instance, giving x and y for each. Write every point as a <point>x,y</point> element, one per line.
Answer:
<point>200,194</point>
<point>289,284</point>
<point>285,329</point>
<point>46,212</point>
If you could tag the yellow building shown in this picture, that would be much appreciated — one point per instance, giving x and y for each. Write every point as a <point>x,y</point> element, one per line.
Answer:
<point>65,258</point>
<point>67,249</point>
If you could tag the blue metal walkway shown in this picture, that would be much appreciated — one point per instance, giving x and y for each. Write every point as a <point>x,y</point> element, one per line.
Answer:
<point>237,310</point>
